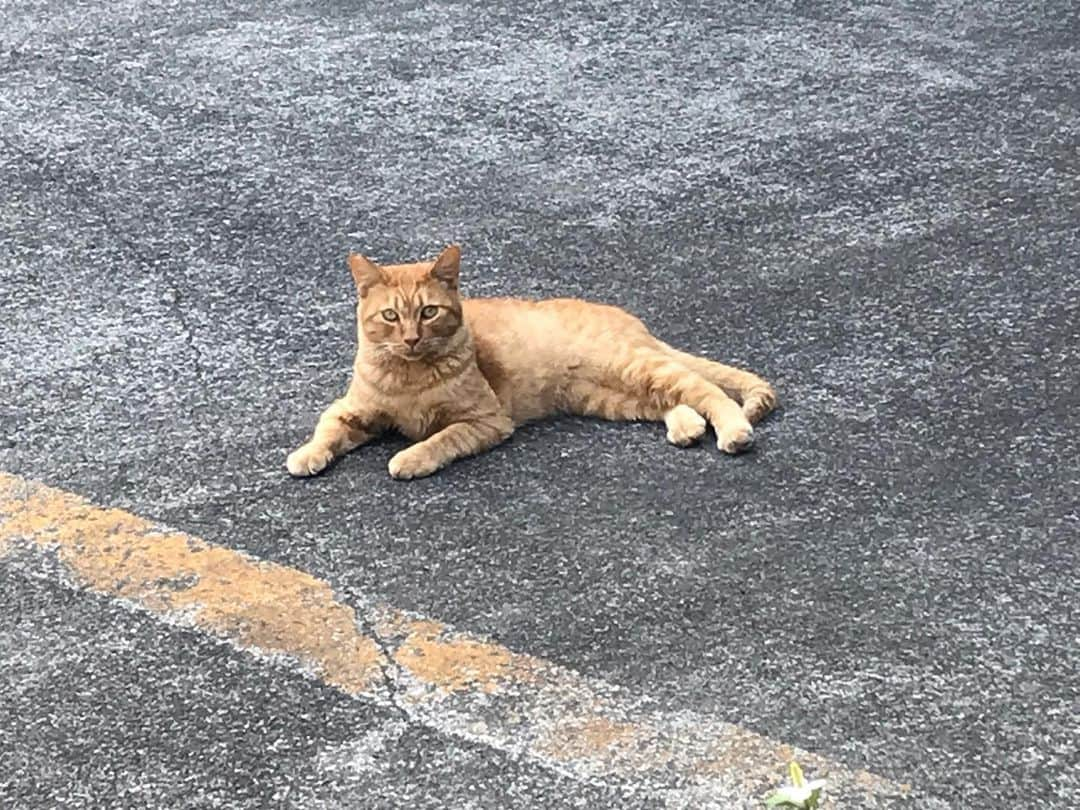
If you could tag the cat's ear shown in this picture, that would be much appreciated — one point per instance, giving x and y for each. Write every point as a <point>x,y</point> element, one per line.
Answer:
<point>365,273</point>
<point>447,266</point>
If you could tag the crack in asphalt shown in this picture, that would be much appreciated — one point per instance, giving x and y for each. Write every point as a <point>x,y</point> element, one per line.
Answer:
<point>389,672</point>
<point>161,268</point>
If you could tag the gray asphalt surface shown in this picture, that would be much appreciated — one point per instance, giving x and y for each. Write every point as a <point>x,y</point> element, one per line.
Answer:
<point>107,708</point>
<point>875,207</point>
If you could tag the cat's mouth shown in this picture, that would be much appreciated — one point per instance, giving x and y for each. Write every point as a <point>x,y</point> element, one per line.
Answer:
<point>411,352</point>
<point>421,351</point>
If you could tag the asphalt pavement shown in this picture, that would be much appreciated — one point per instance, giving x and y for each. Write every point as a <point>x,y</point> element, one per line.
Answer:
<point>875,207</point>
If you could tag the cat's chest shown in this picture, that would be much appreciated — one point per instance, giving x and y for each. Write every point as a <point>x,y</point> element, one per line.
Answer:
<point>423,402</point>
<point>418,414</point>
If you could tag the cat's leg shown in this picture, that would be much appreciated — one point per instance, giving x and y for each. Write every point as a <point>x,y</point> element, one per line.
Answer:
<point>457,440</point>
<point>587,398</point>
<point>668,383</point>
<point>684,425</point>
<point>757,397</point>
<point>339,430</point>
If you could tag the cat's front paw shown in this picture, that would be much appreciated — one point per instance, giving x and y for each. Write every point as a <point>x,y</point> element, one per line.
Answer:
<point>735,437</point>
<point>308,460</point>
<point>413,462</point>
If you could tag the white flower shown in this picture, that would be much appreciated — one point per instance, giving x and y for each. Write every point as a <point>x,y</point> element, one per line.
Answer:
<point>799,794</point>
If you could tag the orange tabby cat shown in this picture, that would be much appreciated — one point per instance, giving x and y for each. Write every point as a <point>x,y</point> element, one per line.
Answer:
<point>457,375</point>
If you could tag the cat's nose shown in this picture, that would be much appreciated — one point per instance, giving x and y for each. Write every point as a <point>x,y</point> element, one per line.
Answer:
<point>411,342</point>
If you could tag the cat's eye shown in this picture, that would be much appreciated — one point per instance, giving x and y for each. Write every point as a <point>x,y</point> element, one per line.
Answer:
<point>429,312</point>
<point>389,315</point>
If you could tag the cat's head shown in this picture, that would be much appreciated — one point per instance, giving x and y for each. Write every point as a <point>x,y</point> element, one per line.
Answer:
<point>411,311</point>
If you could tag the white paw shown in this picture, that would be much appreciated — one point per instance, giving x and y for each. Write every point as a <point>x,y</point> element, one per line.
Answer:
<point>736,437</point>
<point>412,463</point>
<point>308,460</point>
<point>684,425</point>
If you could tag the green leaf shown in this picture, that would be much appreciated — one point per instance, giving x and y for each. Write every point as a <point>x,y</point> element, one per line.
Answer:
<point>789,796</point>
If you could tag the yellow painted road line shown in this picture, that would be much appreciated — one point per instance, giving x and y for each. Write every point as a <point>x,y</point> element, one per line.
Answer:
<point>452,682</point>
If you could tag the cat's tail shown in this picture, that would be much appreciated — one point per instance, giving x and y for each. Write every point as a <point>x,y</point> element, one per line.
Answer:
<point>757,397</point>
<point>666,382</point>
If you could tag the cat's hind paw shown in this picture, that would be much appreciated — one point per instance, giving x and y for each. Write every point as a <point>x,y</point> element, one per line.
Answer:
<point>735,438</point>
<point>759,403</point>
<point>308,460</point>
<point>684,425</point>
